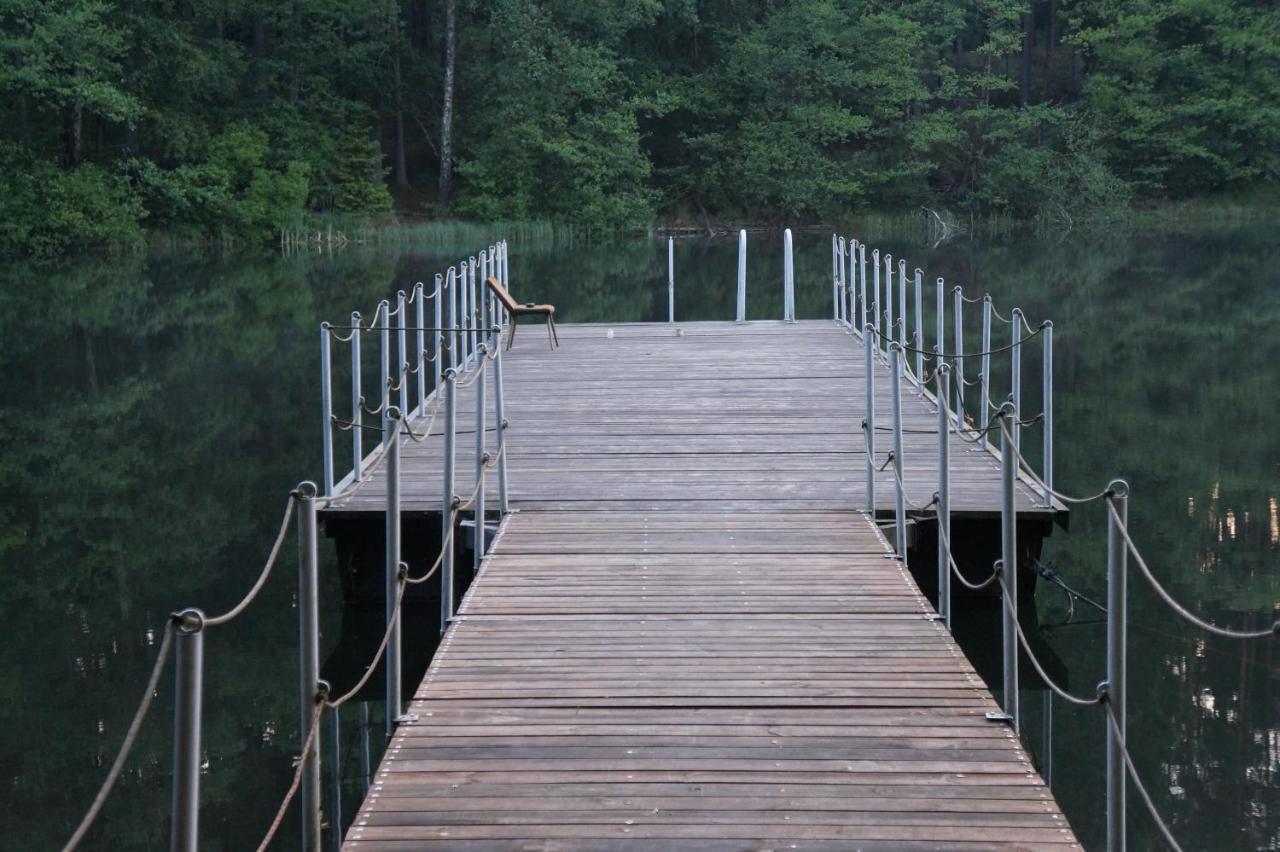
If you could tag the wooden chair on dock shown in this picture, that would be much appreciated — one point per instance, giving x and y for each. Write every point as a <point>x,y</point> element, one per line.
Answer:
<point>527,309</point>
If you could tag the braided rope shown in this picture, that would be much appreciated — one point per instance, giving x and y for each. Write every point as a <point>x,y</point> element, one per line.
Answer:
<point>262,575</point>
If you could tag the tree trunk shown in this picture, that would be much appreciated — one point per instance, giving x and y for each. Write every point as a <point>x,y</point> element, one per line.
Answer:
<point>446,116</point>
<point>1028,41</point>
<point>402,165</point>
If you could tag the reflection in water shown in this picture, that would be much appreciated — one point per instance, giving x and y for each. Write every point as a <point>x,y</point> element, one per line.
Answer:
<point>156,410</point>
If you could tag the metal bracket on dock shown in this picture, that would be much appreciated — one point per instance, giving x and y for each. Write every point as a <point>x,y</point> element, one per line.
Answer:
<point>405,717</point>
<point>934,616</point>
<point>999,717</point>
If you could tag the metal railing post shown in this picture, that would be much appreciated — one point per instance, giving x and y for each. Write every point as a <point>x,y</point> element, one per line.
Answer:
<point>862,284</point>
<point>842,283</point>
<point>742,276</point>
<point>357,400</point>
<point>1009,567</point>
<point>437,336</point>
<point>957,305</point>
<point>460,337</point>
<point>919,338</point>
<point>788,279</point>
<point>900,496</point>
<point>902,303</point>
<point>869,421</point>
<point>943,375</point>
<point>940,332</point>
<point>1046,468</point>
<point>188,689</point>
<point>472,307</point>
<point>335,779</point>
<point>888,300</point>
<point>500,426</point>
<point>402,350</point>
<point>308,659</point>
<point>384,357</point>
<point>851,308</point>
<point>1117,638</point>
<point>875,291</point>
<point>450,335</point>
<point>1015,378</point>
<point>326,403</point>
<point>419,319</point>
<point>671,279</point>
<point>391,425</point>
<point>447,519</point>
<point>984,402</point>
<point>481,456</point>
<point>835,276</point>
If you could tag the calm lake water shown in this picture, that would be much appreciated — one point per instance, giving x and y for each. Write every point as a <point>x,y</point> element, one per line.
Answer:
<point>156,411</point>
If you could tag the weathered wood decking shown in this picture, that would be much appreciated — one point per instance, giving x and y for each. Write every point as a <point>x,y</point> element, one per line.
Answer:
<point>688,636</point>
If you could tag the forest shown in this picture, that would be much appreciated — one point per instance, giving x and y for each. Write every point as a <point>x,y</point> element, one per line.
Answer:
<point>233,120</point>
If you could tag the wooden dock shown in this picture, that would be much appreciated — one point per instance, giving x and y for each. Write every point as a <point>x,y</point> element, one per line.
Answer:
<point>690,635</point>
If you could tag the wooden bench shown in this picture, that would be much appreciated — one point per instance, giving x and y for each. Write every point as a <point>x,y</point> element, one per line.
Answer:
<point>522,310</point>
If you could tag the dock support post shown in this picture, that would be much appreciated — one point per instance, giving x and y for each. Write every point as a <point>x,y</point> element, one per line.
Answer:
<point>188,700</point>
<point>459,323</point>
<point>789,278</point>
<point>888,300</point>
<point>943,374</point>
<point>308,659</point>
<point>957,305</point>
<point>1046,471</point>
<point>391,425</point>
<point>900,496</point>
<point>984,402</point>
<point>869,421</point>
<point>671,279</point>
<point>854,245</point>
<point>742,276</point>
<point>919,336</point>
<point>835,277</point>
<point>402,350</point>
<point>335,780</point>
<point>1009,566</point>
<point>450,336</point>
<point>481,457</point>
<point>357,400</point>
<point>862,284</point>
<point>447,507</point>
<point>420,341</point>
<point>1117,637</point>
<point>326,403</point>
<point>366,751</point>
<point>902,304</point>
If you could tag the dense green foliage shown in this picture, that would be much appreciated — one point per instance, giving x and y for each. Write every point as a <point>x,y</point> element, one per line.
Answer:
<point>231,119</point>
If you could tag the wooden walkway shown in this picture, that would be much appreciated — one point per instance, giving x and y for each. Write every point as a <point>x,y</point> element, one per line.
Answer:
<point>688,636</point>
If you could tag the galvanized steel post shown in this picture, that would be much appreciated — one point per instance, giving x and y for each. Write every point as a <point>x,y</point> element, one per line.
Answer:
<point>335,779</point>
<point>940,339</point>
<point>943,375</point>
<point>447,520</point>
<point>875,291</point>
<point>326,404</point>
<point>900,497</point>
<point>835,276</point>
<point>862,284</point>
<point>421,345</point>
<point>437,361</point>
<point>460,336</point>
<point>391,434</point>
<point>919,336</point>
<point>869,421</point>
<point>500,426</point>
<point>788,278</point>
<point>1016,377</point>
<point>473,307</point>
<point>902,303</point>
<point>308,658</point>
<point>841,283</point>
<point>451,335</point>
<point>384,357</point>
<point>742,276</point>
<point>1046,472</point>
<point>1009,567</point>
<point>984,403</point>
<point>851,302</point>
<point>671,279</point>
<point>357,400</point>
<point>888,300</point>
<point>957,295</point>
<point>188,691</point>
<point>478,513</point>
<point>402,350</point>
<point>1117,638</point>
